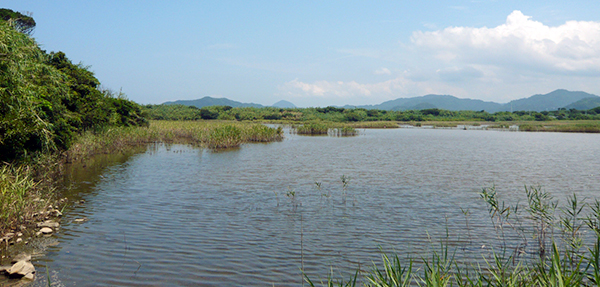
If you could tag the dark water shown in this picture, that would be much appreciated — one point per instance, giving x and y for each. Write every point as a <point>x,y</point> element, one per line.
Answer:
<point>181,216</point>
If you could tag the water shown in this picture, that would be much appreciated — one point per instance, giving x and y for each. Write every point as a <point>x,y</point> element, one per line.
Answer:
<point>177,215</point>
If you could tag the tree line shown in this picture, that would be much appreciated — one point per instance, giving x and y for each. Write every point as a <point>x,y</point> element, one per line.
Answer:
<point>336,114</point>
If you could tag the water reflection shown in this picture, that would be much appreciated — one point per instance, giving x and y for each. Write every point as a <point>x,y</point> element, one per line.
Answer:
<point>177,215</point>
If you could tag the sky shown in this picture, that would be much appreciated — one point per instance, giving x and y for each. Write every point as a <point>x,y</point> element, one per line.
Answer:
<point>320,53</point>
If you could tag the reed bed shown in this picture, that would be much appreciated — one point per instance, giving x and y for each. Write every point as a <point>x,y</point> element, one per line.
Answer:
<point>313,129</point>
<point>210,134</point>
<point>562,126</point>
<point>27,187</point>
<point>333,129</point>
<point>374,125</point>
<point>19,196</point>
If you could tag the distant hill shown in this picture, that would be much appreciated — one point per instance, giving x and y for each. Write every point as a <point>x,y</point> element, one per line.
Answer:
<point>585,104</point>
<point>284,104</point>
<point>445,102</point>
<point>548,102</point>
<point>210,101</point>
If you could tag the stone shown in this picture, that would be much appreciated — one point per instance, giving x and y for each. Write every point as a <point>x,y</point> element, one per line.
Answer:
<point>49,223</point>
<point>80,220</point>
<point>19,240</point>
<point>22,268</point>
<point>46,230</point>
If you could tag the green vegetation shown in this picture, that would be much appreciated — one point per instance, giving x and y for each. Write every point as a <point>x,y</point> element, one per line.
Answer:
<point>553,247</point>
<point>22,23</point>
<point>45,100</point>
<point>325,128</point>
<point>53,112</point>
<point>361,118</point>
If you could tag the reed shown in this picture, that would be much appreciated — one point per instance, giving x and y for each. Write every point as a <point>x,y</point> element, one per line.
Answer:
<point>324,128</point>
<point>563,127</point>
<point>28,186</point>
<point>17,191</point>
<point>374,125</point>
<point>559,256</point>
<point>313,129</point>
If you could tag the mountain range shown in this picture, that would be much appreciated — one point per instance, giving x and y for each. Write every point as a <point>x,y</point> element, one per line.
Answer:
<point>546,102</point>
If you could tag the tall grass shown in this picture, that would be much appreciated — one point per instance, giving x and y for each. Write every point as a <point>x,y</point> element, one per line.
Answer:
<point>27,187</point>
<point>562,126</point>
<point>324,128</point>
<point>209,134</point>
<point>561,254</point>
<point>374,125</point>
<point>19,196</point>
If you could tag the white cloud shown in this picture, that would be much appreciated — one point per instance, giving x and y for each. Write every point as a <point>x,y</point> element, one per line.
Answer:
<point>353,92</point>
<point>517,59</point>
<point>520,42</point>
<point>383,71</point>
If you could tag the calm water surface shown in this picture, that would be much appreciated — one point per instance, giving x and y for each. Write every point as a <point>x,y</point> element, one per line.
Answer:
<point>178,215</point>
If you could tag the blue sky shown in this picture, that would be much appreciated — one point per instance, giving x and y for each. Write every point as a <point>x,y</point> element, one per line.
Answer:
<point>319,53</point>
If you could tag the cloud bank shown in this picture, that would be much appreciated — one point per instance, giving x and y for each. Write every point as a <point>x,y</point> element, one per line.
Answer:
<point>479,62</point>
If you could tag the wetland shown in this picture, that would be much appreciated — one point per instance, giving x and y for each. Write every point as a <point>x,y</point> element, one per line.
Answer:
<point>175,214</point>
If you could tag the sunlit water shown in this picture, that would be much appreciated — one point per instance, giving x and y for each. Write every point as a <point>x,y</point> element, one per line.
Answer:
<point>178,215</point>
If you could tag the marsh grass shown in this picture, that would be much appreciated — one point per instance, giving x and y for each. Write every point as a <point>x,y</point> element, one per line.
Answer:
<point>19,195</point>
<point>560,255</point>
<point>325,128</point>
<point>209,134</point>
<point>374,125</point>
<point>583,126</point>
<point>28,186</point>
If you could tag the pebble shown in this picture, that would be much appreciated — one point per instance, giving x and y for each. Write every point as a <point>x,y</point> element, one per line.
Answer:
<point>46,230</point>
<point>49,223</point>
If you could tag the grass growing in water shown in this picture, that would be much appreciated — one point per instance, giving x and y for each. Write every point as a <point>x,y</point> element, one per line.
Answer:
<point>27,187</point>
<point>321,128</point>
<point>557,257</point>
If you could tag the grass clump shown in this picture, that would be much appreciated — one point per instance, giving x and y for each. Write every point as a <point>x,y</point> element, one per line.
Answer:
<point>321,128</point>
<point>19,193</point>
<point>313,129</point>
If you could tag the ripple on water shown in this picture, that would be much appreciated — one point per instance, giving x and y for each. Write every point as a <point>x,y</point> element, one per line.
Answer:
<point>185,216</point>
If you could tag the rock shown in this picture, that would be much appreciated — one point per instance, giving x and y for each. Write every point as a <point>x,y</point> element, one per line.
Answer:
<point>19,240</point>
<point>19,234</point>
<point>80,220</point>
<point>46,230</point>
<point>49,223</point>
<point>56,213</point>
<point>22,268</point>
